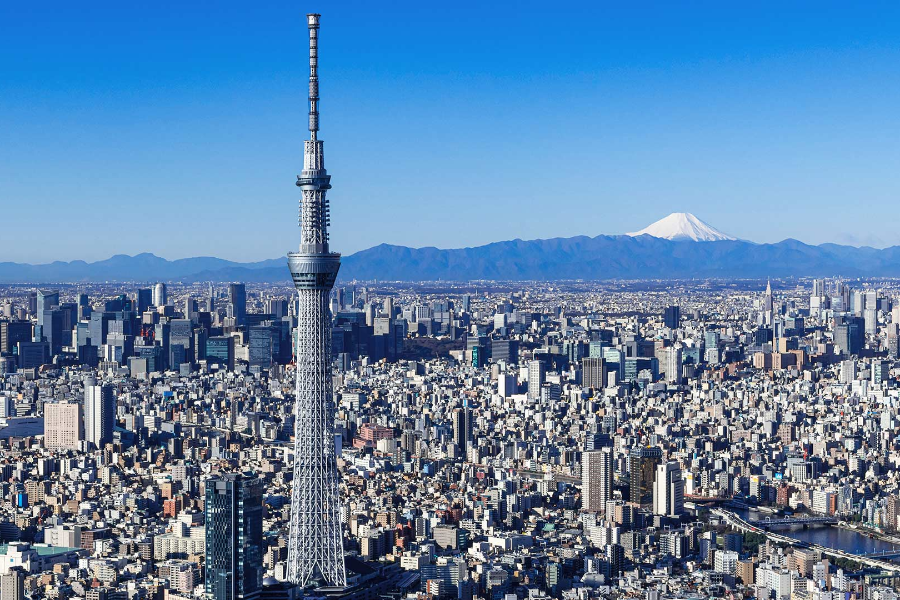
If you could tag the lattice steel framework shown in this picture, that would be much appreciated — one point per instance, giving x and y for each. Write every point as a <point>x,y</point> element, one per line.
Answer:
<point>315,547</point>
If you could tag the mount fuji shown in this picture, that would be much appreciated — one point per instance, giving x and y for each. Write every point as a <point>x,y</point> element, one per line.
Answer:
<point>681,226</point>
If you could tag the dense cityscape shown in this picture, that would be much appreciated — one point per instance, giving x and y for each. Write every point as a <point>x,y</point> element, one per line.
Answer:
<point>573,440</point>
<point>333,438</point>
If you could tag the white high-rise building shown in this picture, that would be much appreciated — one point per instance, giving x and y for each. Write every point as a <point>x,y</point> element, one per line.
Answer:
<point>596,479</point>
<point>535,379</point>
<point>668,490</point>
<point>159,294</point>
<point>673,364</point>
<point>726,561</point>
<point>99,413</point>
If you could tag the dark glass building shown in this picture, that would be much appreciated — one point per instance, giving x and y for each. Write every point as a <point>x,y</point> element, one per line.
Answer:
<point>234,513</point>
<point>237,298</point>
<point>642,473</point>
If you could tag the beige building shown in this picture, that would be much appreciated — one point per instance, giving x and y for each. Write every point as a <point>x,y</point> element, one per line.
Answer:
<point>63,425</point>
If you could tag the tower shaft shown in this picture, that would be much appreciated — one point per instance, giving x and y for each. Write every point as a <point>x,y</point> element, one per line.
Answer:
<point>315,545</point>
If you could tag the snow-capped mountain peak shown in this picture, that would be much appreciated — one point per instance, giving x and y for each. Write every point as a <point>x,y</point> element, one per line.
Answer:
<point>683,227</point>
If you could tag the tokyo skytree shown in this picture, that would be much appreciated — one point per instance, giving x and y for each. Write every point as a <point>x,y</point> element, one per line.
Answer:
<point>315,547</point>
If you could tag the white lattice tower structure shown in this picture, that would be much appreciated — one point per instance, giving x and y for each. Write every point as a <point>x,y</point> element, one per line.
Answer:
<point>315,547</point>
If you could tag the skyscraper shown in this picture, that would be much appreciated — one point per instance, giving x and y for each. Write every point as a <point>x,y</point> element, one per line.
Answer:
<point>159,295</point>
<point>668,490</point>
<point>593,373</point>
<point>45,301</point>
<point>315,545</point>
<point>237,300</point>
<point>234,511</point>
<point>672,317</point>
<point>596,479</point>
<point>144,299</point>
<point>462,427</point>
<point>535,379</point>
<point>99,413</point>
<point>641,473</point>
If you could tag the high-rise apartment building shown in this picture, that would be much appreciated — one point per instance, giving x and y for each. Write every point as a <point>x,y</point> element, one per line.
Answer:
<point>234,514</point>
<point>99,413</point>
<point>12,584</point>
<point>535,379</point>
<point>596,479</point>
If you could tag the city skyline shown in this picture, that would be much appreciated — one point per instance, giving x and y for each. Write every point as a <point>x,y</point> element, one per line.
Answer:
<point>706,110</point>
<point>670,412</point>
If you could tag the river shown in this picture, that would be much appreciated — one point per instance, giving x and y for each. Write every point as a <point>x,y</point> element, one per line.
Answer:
<point>833,537</point>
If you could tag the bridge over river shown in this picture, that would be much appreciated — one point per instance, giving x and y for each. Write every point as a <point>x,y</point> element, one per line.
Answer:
<point>790,521</point>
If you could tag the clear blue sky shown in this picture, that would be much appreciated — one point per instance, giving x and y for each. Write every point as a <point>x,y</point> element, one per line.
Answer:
<point>176,128</point>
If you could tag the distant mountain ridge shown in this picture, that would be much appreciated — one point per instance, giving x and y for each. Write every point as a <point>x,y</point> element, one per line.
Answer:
<point>580,257</point>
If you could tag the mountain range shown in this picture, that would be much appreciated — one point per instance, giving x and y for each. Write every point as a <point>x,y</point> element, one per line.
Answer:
<point>677,247</point>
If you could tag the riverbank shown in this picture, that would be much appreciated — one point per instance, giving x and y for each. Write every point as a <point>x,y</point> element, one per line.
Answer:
<point>868,531</point>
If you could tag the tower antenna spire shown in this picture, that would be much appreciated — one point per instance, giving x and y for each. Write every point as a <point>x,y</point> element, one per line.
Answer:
<point>313,23</point>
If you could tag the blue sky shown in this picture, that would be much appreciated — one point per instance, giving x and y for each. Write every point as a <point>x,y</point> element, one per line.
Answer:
<point>177,128</point>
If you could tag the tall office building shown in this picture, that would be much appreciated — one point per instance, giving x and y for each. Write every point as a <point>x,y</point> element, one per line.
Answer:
<point>62,425</point>
<point>315,544</point>
<point>159,295</point>
<point>99,413</point>
<point>237,302</point>
<point>672,317</point>
<point>46,300</point>
<point>234,515</point>
<point>596,479</point>
<point>535,379</point>
<point>144,299</point>
<point>13,332</point>
<point>84,307</point>
<point>642,472</point>
<point>462,427</point>
<point>593,373</point>
<point>668,490</point>
<point>849,334</point>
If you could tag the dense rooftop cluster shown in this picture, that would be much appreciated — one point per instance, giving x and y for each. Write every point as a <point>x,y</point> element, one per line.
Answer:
<point>496,440</point>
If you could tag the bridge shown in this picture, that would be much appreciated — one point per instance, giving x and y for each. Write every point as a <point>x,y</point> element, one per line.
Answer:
<point>706,499</point>
<point>895,553</point>
<point>741,525</point>
<point>788,521</point>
